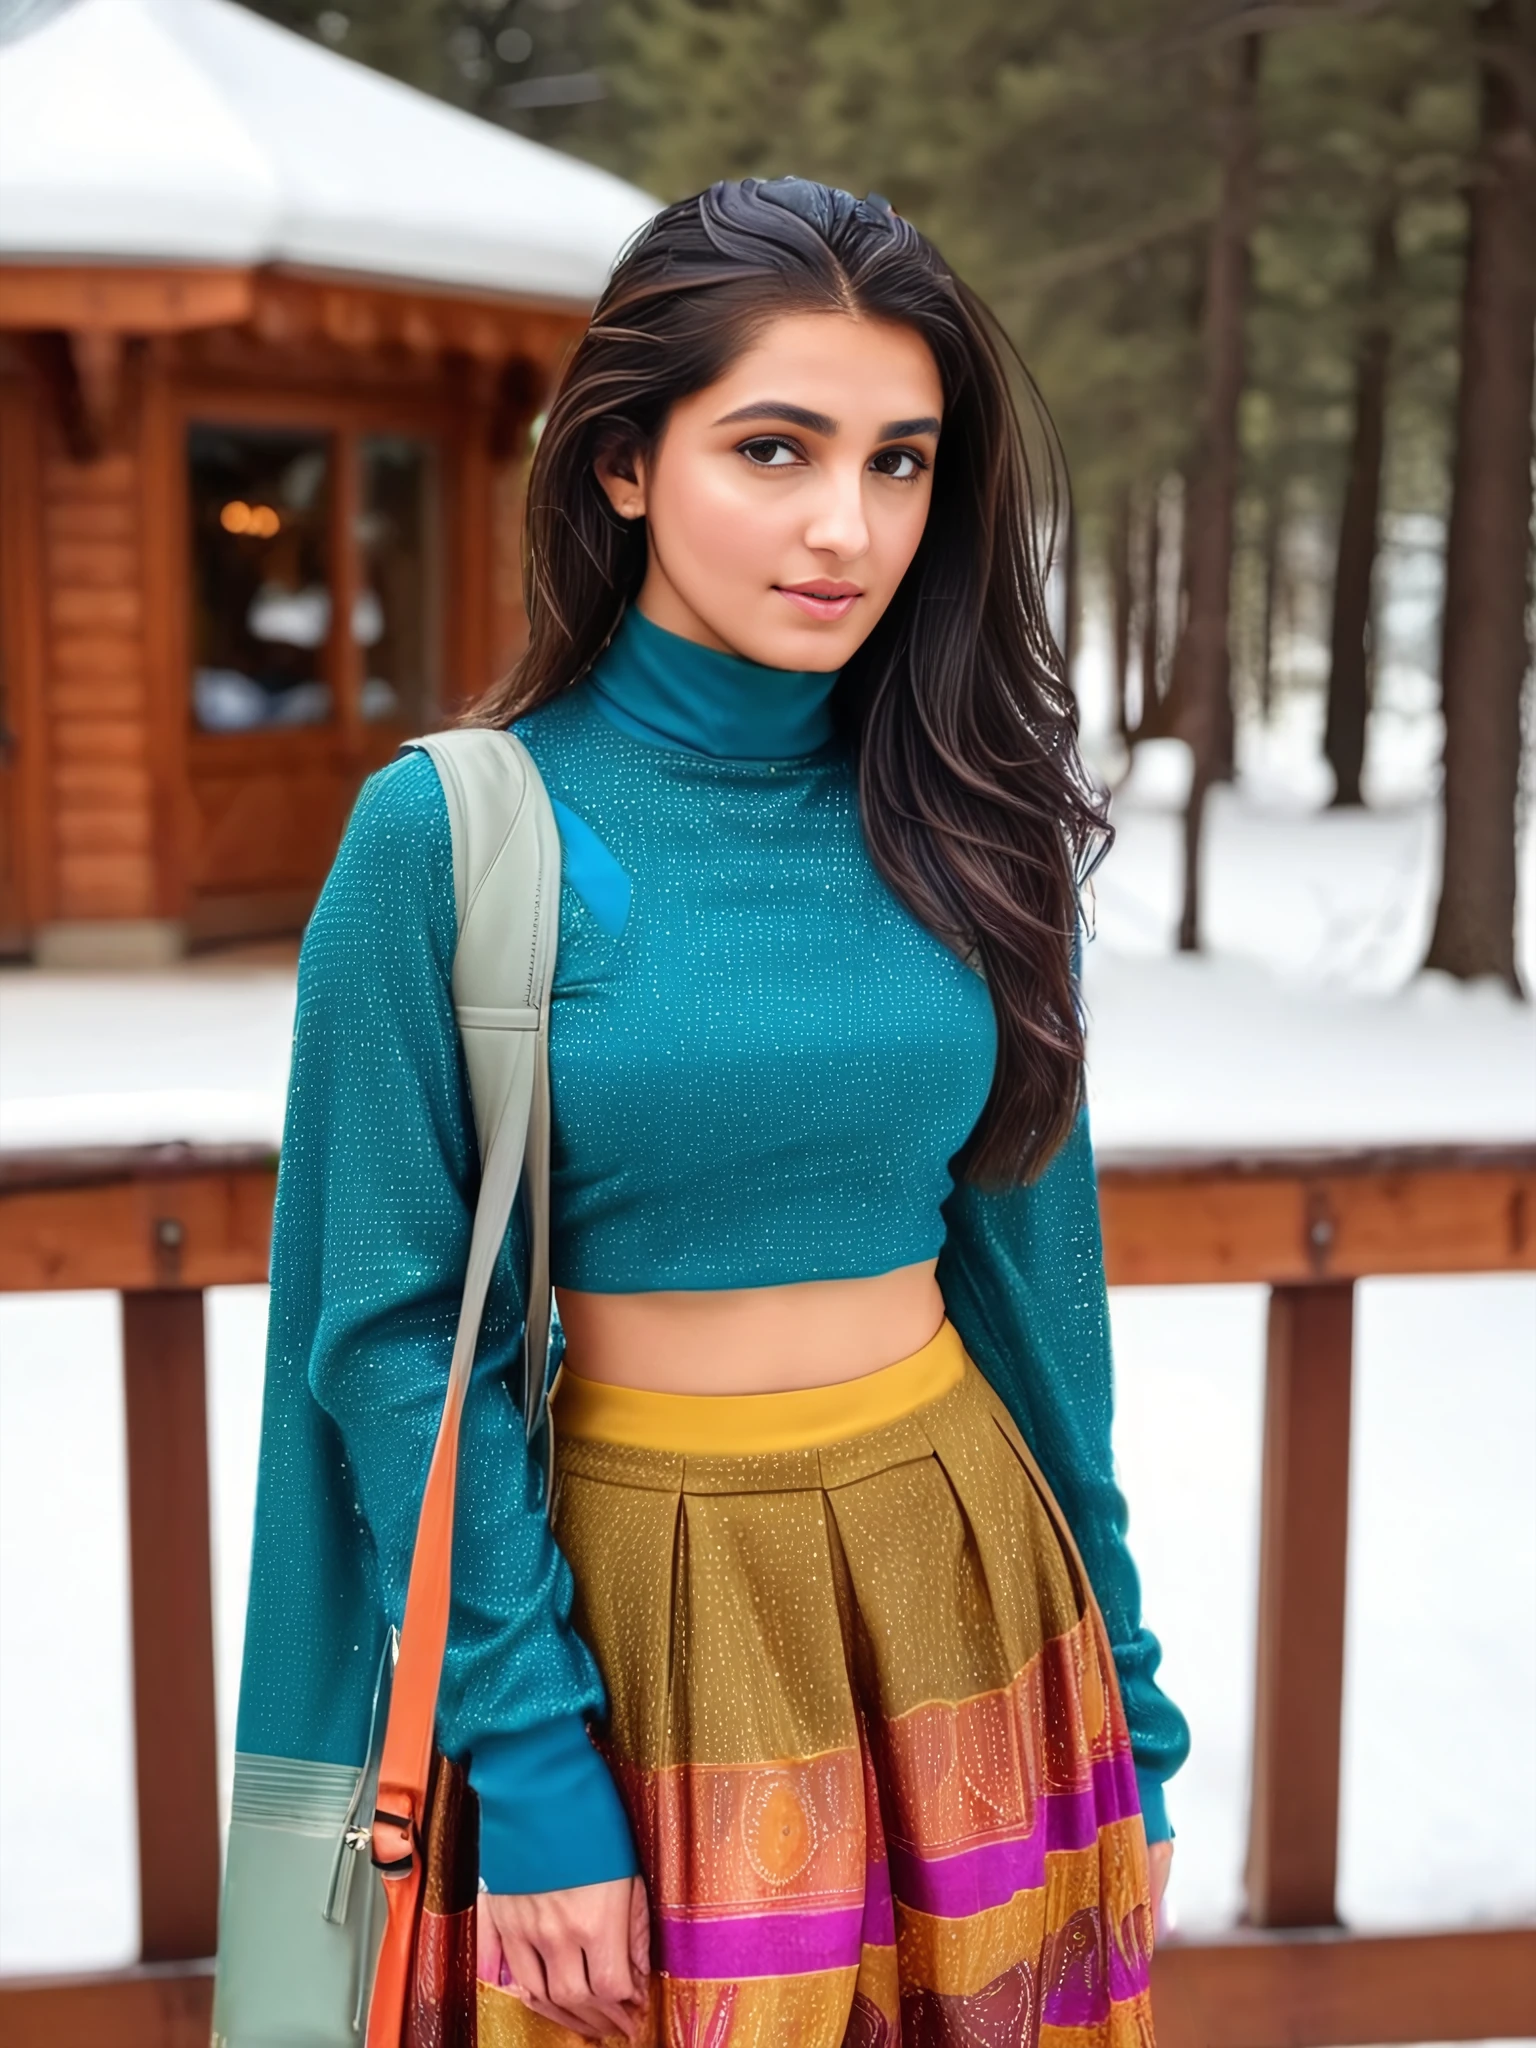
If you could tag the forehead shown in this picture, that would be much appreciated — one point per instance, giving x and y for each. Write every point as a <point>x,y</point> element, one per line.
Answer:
<point>854,368</point>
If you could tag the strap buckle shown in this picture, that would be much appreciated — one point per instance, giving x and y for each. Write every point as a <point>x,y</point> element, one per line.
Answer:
<point>394,1843</point>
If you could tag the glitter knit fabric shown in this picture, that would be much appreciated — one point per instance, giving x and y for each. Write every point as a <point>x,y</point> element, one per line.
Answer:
<point>865,1719</point>
<point>763,1077</point>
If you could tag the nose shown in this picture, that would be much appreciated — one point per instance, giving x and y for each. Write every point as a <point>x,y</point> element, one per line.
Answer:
<point>838,525</point>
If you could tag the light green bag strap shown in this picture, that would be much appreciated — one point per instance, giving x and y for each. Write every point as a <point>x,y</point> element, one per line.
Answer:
<point>506,887</point>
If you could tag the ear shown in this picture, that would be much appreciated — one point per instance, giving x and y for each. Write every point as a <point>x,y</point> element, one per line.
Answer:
<point>620,470</point>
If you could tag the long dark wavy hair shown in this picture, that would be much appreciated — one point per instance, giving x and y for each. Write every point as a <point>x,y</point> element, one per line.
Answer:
<point>975,804</point>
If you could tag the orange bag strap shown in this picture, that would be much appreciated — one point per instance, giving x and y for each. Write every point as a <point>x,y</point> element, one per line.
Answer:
<point>512,1118</point>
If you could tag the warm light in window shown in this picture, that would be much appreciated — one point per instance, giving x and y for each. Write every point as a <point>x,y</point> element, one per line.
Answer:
<point>260,520</point>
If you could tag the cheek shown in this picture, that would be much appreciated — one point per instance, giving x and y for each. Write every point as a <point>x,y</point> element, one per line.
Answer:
<point>715,520</point>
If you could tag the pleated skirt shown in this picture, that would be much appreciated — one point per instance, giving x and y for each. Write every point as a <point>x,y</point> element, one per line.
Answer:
<point>864,1718</point>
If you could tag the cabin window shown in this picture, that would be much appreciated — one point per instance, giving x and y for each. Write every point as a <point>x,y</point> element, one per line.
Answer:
<point>261,577</point>
<point>272,508</point>
<point>393,619</point>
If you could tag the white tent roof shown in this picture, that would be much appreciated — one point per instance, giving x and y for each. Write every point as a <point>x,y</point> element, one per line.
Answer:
<point>193,131</point>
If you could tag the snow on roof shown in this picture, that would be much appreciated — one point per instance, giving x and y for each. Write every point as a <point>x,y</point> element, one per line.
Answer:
<point>193,131</point>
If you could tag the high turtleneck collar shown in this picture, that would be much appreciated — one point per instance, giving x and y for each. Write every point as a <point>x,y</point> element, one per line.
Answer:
<point>672,692</point>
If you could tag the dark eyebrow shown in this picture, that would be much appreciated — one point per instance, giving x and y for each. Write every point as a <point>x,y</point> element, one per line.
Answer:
<point>775,409</point>
<point>822,423</point>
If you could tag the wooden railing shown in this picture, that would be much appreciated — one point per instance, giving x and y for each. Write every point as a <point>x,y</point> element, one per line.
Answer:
<point>161,1225</point>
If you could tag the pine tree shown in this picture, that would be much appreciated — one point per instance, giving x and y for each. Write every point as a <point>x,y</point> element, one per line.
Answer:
<point>1485,650</point>
<point>1203,662</point>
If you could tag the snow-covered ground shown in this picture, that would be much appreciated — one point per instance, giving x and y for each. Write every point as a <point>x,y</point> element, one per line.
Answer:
<point>1303,1023</point>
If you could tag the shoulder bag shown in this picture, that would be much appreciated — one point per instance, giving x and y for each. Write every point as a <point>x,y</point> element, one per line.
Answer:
<point>318,1948</point>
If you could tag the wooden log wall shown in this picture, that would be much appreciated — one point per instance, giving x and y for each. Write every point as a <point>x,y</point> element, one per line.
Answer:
<point>101,796</point>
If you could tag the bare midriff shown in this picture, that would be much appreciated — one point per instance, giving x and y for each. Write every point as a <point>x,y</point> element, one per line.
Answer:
<point>752,1340</point>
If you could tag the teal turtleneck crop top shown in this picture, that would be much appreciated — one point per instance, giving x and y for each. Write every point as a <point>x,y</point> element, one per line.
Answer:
<point>762,1068</point>
<point>761,1063</point>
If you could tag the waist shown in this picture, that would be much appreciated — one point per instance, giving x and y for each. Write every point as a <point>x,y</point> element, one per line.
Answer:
<point>751,1340</point>
<point>733,1425</point>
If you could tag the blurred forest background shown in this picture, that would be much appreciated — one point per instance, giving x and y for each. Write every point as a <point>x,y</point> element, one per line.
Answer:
<point>1245,251</point>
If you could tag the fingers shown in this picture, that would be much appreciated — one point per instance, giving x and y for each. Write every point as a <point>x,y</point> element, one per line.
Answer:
<point>487,1945</point>
<point>522,1970</point>
<point>529,1981</point>
<point>609,1974</point>
<point>639,1934</point>
<point>571,1955</point>
<point>578,1982</point>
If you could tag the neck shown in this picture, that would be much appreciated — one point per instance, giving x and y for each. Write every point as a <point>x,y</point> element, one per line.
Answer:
<point>672,692</point>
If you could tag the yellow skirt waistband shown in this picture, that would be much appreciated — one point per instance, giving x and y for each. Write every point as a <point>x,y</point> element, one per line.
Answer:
<point>738,1425</point>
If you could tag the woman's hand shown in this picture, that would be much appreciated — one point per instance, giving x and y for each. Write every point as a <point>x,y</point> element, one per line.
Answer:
<point>580,1957</point>
<point>1159,1857</point>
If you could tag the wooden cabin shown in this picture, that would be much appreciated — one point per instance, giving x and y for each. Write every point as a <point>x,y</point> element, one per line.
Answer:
<point>273,334</point>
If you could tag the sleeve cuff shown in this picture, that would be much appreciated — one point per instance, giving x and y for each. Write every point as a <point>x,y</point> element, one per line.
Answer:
<point>550,1814</point>
<point>1154,1807</point>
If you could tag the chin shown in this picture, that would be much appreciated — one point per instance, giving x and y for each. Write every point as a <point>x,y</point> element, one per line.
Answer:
<point>792,643</point>
<point>811,649</point>
<point>816,659</point>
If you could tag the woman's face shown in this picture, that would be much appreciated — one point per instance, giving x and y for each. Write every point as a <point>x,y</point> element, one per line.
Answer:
<point>784,502</point>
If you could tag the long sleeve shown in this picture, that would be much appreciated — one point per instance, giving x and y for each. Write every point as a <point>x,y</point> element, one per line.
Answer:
<point>377,1185</point>
<point>1022,1273</point>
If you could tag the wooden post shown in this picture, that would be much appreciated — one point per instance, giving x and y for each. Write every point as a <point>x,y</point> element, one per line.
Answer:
<point>1304,1522</point>
<point>345,660</point>
<point>469,584</point>
<point>173,1698</point>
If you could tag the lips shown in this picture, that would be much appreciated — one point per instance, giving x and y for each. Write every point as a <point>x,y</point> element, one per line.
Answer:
<point>827,599</point>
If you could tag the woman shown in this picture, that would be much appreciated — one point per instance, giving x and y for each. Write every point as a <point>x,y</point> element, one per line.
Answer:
<point>820,1735</point>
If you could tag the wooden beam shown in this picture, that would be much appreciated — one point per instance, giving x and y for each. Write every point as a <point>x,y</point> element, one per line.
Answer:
<point>356,312</point>
<point>1252,1990</point>
<point>1170,1222</point>
<point>175,1736</point>
<point>169,2007</point>
<point>1303,1545</point>
<point>1166,1223</point>
<point>123,298</point>
<point>96,354</point>
<point>189,1228</point>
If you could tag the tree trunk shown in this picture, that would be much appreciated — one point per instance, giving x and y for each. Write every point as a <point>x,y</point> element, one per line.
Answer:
<point>1203,663</point>
<point>1163,712</point>
<point>1224,747</point>
<point>1151,613</point>
<point>1349,692</point>
<point>1071,598</point>
<point>1274,521</point>
<point>1123,597</point>
<point>1483,645</point>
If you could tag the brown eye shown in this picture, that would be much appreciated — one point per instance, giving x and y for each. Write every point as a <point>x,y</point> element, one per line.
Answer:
<point>905,465</point>
<point>768,451</point>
